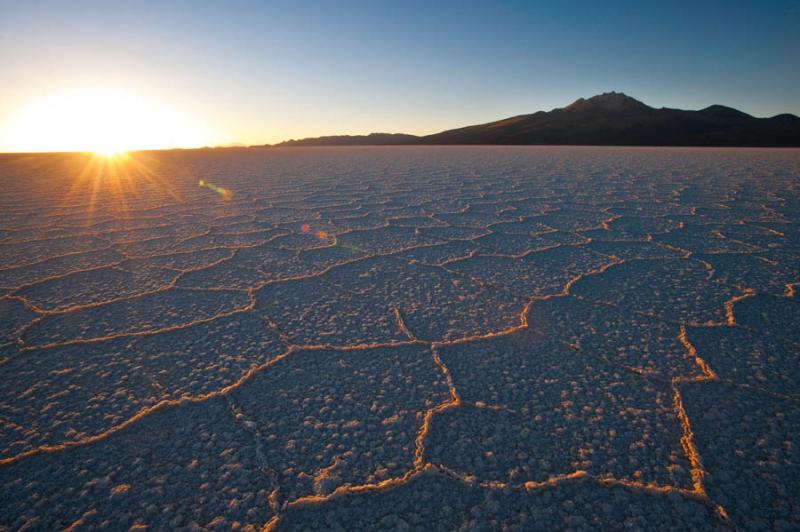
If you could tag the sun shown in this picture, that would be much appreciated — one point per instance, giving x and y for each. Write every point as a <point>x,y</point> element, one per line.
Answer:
<point>110,153</point>
<point>102,121</point>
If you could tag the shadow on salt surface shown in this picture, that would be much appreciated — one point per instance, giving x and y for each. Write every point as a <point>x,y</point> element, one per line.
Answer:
<point>748,357</point>
<point>766,272</point>
<point>248,268</point>
<point>434,502</point>
<point>627,340</point>
<point>518,276</point>
<point>629,250</point>
<point>201,241</point>
<point>541,410</point>
<point>149,313</point>
<point>313,311</point>
<point>282,214</point>
<point>528,226</point>
<point>635,228</point>
<point>238,225</point>
<point>731,213</point>
<point>754,234</point>
<point>452,233</point>
<point>57,267</point>
<point>679,290</point>
<point>14,316</point>
<point>118,226</point>
<point>194,465</point>
<point>511,244</point>
<point>73,392</point>
<point>703,239</point>
<point>233,240</point>
<point>475,218</point>
<point>564,238</point>
<point>761,350</point>
<point>143,234</point>
<point>773,316</point>
<point>329,418</point>
<point>657,208</point>
<point>539,273</point>
<point>358,221</point>
<point>571,259</point>
<point>749,443</point>
<point>15,254</point>
<point>574,220</point>
<point>386,239</point>
<point>440,253</point>
<point>96,286</point>
<point>415,221</point>
<point>789,233</point>
<point>318,259</point>
<point>435,304</point>
<point>299,241</point>
<point>154,246</point>
<point>182,261</point>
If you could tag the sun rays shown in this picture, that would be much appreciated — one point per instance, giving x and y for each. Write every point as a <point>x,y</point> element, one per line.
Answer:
<point>113,180</point>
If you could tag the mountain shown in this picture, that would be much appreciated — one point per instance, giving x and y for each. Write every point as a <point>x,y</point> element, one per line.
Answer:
<point>611,119</point>
<point>373,139</point>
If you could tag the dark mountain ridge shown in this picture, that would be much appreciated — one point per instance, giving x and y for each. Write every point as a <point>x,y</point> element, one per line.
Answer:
<point>609,119</point>
<point>373,139</point>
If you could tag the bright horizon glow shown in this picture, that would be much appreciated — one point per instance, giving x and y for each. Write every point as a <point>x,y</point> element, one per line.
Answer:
<point>109,153</point>
<point>102,121</point>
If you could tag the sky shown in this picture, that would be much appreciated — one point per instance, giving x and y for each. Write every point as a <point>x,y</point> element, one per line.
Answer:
<point>262,72</point>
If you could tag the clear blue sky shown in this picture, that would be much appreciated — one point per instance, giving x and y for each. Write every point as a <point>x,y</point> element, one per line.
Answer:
<point>266,71</point>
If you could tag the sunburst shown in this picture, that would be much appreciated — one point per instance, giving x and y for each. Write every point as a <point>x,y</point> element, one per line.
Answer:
<point>101,121</point>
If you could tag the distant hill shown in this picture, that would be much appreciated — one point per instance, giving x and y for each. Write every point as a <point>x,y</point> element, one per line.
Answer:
<point>610,119</point>
<point>373,139</point>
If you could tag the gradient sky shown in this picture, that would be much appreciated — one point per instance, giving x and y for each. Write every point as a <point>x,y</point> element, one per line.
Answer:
<point>266,71</point>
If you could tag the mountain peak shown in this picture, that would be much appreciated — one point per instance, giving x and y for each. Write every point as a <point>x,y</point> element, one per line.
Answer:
<point>724,112</point>
<point>609,101</point>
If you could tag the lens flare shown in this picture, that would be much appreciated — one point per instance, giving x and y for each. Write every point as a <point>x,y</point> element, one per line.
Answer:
<point>225,194</point>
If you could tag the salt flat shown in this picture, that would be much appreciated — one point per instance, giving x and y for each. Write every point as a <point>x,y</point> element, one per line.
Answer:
<point>403,337</point>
